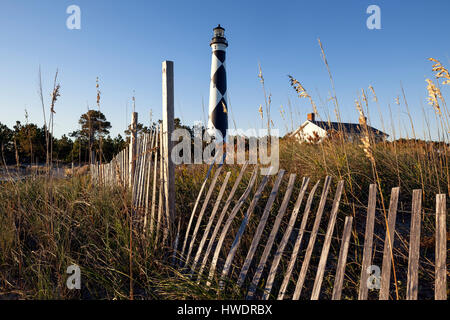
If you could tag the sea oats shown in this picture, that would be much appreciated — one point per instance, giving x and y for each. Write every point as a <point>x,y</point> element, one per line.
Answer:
<point>365,140</point>
<point>298,88</point>
<point>442,73</point>
<point>434,94</point>
<point>282,112</point>
<point>260,74</point>
<point>260,110</point>
<point>375,98</point>
<point>55,94</point>
<point>301,91</point>
<point>98,92</point>
<point>362,117</point>
<point>365,144</point>
<point>364,97</point>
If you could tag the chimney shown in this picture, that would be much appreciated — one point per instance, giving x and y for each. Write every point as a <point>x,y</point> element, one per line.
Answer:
<point>311,117</point>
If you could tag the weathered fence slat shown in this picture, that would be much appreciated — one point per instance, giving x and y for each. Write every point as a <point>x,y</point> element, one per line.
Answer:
<point>161,186</point>
<point>132,149</point>
<point>219,221</point>
<point>141,168</point>
<point>175,245</point>
<point>164,204</point>
<point>191,219</point>
<point>342,260</point>
<point>149,171</point>
<point>284,240</point>
<point>211,220</point>
<point>247,216</point>
<point>260,229</point>
<point>270,241</point>
<point>414,246</point>
<point>297,244</point>
<point>136,162</point>
<point>155,175</point>
<point>326,245</point>
<point>202,212</point>
<point>127,166</point>
<point>228,224</point>
<point>388,246</point>
<point>121,168</point>
<point>142,164</point>
<point>145,170</point>
<point>312,240</point>
<point>440,290</point>
<point>138,172</point>
<point>368,242</point>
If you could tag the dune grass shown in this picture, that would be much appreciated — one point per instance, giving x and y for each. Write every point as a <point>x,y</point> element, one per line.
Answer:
<point>48,224</point>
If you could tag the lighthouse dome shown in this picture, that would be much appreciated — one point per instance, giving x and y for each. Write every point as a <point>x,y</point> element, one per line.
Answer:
<point>219,36</point>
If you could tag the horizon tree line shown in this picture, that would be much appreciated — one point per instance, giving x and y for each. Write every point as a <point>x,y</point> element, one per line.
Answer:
<point>25,143</point>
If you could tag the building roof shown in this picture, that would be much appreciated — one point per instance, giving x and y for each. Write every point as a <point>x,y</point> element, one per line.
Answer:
<point>351,128</point>
<point>346,127</point>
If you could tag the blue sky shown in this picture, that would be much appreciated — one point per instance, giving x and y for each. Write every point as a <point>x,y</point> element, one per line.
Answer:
<point>124,43</point>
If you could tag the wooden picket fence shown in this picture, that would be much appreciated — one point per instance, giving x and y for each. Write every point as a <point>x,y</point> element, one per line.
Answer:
<point>206,252</point>
<point>142,173</point>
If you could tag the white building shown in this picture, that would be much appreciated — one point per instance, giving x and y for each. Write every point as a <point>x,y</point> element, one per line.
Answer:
<point>314,131</point>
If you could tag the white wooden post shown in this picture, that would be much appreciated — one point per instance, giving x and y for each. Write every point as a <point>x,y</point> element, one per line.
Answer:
<point>441,249</point>
<point>168,127</point>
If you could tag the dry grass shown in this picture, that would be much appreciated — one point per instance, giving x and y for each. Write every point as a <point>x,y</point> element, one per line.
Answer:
<point>48,224</point>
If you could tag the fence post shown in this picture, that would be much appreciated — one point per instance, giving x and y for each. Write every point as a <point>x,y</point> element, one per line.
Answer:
<point>342,261</point>
<point>414,247</point>
<point>388,256</point>
<point>168,127</point>
<point>441,249</point>
<point>368,242</point>
<point>132,157</point>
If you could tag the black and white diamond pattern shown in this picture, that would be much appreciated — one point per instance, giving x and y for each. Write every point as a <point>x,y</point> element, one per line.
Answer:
<point>218,113</point>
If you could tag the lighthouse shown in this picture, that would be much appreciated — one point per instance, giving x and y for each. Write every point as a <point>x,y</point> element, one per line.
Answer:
<point>218,109</point>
